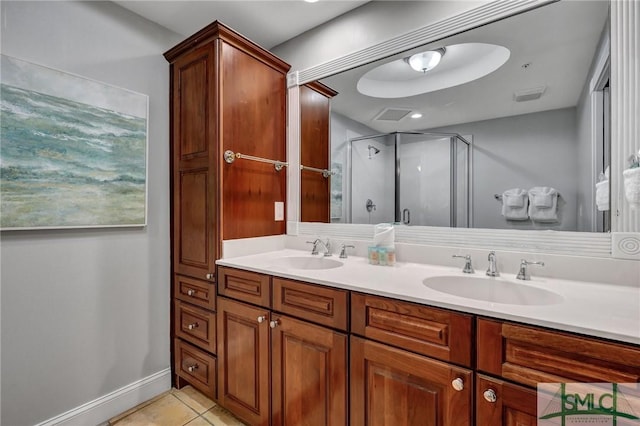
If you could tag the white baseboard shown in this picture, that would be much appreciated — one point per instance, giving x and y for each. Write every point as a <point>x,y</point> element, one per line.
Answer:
<point>100,410</point>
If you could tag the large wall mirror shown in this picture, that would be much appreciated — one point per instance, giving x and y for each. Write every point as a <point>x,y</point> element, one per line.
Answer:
<point>518,105</point>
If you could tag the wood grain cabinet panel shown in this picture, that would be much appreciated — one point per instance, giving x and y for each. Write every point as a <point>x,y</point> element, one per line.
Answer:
<point>323,305</point>
<point>531,355</point>
<point>243,356</point>
<point>309,374</point>
<point>195,366</point>
<point>195,235</point>
<point>513,405</point>
<point>315,110</point>
<point>249,287</point>
<point>429,331</point>
<point>393,387</point>
<point>197,292</point>
<point>195,325</point>
<point>253,123</point>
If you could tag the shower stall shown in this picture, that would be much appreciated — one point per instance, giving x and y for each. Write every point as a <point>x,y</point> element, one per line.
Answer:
<point>413,178</point>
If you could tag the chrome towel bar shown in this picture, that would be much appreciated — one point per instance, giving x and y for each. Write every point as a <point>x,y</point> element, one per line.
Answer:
<point>325,172</point>
<point>230,157</point>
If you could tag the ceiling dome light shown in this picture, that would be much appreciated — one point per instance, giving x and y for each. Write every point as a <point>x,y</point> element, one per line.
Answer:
<point>311,1</point>
<point>416,115</point>
<point>425,61</point>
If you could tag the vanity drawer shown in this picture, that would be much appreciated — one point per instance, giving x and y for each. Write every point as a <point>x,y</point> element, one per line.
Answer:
<point>429,331</point>
<point>196,367</point>
<point>201,293</point>
<point>196,325</point>
<point>531,355</point>
<point>322,305</point>
<point>249,287</point>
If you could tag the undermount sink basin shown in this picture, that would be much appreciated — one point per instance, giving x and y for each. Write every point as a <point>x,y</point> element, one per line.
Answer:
<point>307,262</point>
<point>492,290</point>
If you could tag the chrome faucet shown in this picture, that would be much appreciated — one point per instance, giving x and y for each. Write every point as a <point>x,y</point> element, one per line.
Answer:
<point>326,247</point>
<point>468,269</point>
<point>492,271</point>
<point>523,273</point>
<point>343,250</point>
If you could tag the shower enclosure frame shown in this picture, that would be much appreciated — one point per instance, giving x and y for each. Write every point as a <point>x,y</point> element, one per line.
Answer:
<point>453,176</point>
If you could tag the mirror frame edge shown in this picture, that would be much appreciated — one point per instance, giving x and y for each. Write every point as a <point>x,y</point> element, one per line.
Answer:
<point>624,240</point>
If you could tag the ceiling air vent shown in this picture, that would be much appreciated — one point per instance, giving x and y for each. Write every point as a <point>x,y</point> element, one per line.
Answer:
<point>392,114</point>
<point>529,94</point>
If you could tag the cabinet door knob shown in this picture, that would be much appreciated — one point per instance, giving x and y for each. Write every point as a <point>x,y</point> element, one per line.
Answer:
<point>274,323</point>
<point>192,368</point>
<point>192,326</point>
<point>261,319</point>
<point>191,292</point>
<point>209,276</point>
<point>458,384</point>
<point>490,395</point>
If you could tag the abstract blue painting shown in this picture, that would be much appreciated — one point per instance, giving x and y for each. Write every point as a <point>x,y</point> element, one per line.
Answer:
<point>73,151</point>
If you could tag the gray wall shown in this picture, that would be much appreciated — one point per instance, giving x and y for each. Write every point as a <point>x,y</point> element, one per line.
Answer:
<point>85,312</point>
<point>372,23</point>
<point>523,151</point>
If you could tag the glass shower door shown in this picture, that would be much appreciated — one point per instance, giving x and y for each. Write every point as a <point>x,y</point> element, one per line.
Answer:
<point>425,180</point>
<point>372,179</point>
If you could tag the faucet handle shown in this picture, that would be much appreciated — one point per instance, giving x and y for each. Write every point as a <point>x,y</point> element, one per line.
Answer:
<point>492,270</point>
<point>327,246</point>
<point>314,250</point>
<point>523,273</point>
<point>468,268</point>
<point>343,250</point>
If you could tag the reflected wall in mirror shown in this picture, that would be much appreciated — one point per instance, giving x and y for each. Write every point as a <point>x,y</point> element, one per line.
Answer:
<point>314,152</point>
<point>537,118</point>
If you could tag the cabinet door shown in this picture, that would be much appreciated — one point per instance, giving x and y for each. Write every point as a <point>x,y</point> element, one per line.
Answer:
<point>193,152</point>
<point>243,359</point>
<point>309,370</point>
<point>398,388</point>
<point>500,403</point>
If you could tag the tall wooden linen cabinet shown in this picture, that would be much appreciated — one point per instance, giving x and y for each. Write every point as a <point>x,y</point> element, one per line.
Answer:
<point>226,94</point>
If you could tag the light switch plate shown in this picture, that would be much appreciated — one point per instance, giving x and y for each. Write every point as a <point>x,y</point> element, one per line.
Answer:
<point>279,211</point>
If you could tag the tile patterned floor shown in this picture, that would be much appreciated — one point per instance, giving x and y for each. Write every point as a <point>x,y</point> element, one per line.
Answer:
<point>181,407</point>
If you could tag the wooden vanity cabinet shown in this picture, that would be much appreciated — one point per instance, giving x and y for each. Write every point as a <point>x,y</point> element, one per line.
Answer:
<point>274,368</point>
<point>226,93</point>
<point>395,379</point>
<point>500,403</point>
<point>521,356</point>
<point>531,355</point>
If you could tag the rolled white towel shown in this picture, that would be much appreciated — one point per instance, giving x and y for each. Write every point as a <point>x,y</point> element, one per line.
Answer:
<point>602,195</point>
<point>543,204</point>
<point>384,235</point>
<point>632,186</point>
<point>514,204</point>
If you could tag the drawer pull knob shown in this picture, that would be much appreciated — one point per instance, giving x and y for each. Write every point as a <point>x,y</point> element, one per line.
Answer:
<point>274,323</point>
<point>191,292</point>
<point>261,319</point>
<point>490,395</point>
<point>192,326</point>
<point>458,384</point>
<point>209,276</point>
<point>192,368</point>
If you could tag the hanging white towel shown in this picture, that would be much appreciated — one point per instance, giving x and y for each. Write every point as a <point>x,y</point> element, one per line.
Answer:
<point>514,204</point>
<point>632,187</point>
<point>543,204</point>
<point>602,195</point>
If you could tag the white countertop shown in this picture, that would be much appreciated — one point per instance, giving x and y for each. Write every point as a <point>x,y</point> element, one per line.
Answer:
<point>603,310</point>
